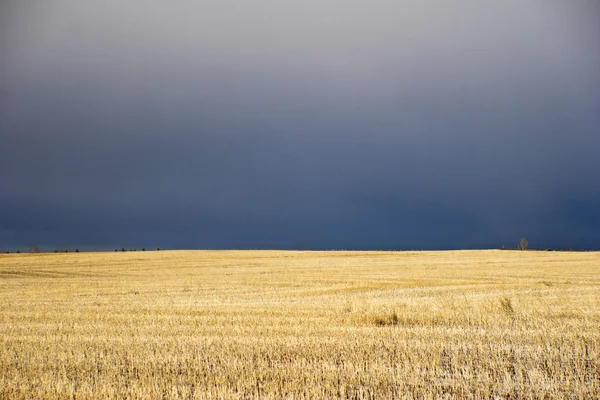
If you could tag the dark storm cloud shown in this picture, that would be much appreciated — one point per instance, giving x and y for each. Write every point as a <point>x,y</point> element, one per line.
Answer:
<point>315,125</point>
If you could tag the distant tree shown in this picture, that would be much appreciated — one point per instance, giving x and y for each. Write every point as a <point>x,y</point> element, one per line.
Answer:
<point>76,250</point>
<point>523,244</point>
<point>116,250</point>
<point>122,248</point>
<point>35,249</point>
<point>158,249</point>
<point>18,251</point>
<point>143,249</point>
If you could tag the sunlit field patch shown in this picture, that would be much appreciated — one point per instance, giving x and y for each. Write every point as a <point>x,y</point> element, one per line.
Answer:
<point>271,324</point>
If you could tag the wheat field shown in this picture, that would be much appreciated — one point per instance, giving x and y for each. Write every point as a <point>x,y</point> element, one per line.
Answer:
<point>312,325</point>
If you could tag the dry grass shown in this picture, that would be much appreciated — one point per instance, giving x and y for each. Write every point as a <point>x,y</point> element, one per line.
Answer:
<point>219,324</point>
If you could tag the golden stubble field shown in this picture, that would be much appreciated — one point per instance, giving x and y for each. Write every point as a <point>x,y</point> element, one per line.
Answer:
<point>271,324</point>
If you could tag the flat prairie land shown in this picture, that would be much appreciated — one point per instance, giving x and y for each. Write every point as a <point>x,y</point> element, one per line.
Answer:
<point>313,325</point>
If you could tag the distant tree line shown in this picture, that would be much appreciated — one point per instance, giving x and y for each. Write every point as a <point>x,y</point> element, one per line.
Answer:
<point>37,249</point>
<point>123,249</point>
<point>524,245</point>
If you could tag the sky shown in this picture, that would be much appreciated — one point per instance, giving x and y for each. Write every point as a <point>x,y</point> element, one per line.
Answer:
<point>315,124</point>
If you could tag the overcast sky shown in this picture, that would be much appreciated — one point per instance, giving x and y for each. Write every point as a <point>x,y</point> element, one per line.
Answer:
<point>299,124</point>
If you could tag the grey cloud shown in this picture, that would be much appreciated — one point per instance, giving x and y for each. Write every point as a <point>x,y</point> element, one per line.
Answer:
<point>313,124</point>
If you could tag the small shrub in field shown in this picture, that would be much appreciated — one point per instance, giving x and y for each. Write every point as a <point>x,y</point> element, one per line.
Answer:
<point>506,305</point>
<point>386,319</point>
